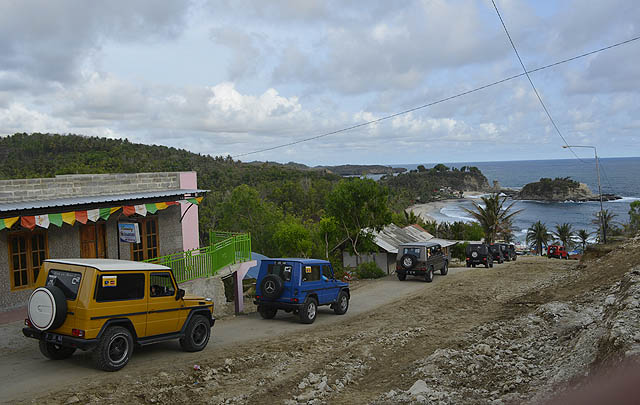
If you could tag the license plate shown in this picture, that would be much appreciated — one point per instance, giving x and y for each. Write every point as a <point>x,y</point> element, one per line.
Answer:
<point>50,337</point>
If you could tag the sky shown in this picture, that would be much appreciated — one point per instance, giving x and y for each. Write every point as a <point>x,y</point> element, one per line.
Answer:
<point>231,77</point>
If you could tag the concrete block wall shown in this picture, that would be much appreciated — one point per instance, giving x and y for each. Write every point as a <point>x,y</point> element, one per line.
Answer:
<point>76,185</point>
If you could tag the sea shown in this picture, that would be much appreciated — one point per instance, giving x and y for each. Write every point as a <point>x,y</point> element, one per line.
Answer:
<point>619,176</point>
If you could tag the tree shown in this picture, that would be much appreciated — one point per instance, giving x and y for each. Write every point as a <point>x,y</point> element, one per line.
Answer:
<point>359,206</point>
<point>537,236</point>
<point>493,217</point>
<point>328,232</point>
<point>605,222</point>
<point>292,238</point>
<point>564,233</point>
<point>583,235</point>
<point>421,168</point>
<point>244,211</point>
<point>634,217</point>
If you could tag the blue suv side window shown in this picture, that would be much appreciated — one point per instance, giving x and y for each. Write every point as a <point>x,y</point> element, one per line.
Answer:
<point>327,272</point>
<point>311,273</point>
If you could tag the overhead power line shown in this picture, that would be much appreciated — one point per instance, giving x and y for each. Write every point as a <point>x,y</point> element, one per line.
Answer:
<point>524,69</point>
<point>442,100</point>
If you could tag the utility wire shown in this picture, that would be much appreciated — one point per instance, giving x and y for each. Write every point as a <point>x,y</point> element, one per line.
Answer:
<point>464,93</point>
<point>524,69</point>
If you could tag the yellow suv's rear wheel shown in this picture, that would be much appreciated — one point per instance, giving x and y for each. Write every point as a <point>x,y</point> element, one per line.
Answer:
<point>55,352</point>
<point>114,349</point>
<point>196,335</point>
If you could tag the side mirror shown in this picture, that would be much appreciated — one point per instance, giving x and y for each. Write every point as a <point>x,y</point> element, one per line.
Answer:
<point>180,294</point>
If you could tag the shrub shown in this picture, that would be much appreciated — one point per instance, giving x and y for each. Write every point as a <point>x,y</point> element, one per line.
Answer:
<point>369,270</point>
<point>458,251</point>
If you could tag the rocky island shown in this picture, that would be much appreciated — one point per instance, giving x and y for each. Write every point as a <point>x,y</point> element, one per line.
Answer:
<point>560,189</point>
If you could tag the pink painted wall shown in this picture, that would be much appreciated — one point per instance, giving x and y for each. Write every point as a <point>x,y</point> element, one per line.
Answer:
<point>190,229</point>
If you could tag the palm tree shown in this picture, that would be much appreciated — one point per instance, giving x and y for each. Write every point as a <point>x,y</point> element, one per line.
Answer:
<point>493,217</point>
<point>538,235</point>
<point>604,217</point>
<point>583,235</point>
<point>564,233</point>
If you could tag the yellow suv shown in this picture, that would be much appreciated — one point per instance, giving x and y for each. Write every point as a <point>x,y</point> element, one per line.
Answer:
<point>110,305</point>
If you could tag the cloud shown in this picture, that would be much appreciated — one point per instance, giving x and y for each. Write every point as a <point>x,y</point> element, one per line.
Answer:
<point>49,40</point>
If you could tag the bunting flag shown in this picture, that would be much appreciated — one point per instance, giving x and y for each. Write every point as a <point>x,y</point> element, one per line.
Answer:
<point>28,222</point>
<point>141,210</point>
<point>82,217</point>
<point>69,217</point>
<point>8,222</point>
<point>151,208</point>
<point>93,215</point>
<point>56,219</point>
<point>44,221</point>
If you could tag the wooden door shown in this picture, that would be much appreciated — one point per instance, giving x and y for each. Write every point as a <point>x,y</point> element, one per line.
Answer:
<point>93,241</point>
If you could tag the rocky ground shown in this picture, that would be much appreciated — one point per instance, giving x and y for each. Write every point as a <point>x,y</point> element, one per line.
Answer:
<point>519,332</point>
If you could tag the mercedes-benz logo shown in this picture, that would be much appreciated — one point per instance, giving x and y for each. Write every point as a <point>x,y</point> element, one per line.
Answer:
<point>269,286</point>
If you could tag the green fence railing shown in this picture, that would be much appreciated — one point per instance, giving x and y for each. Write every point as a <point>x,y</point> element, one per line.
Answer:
<point>226,248</point>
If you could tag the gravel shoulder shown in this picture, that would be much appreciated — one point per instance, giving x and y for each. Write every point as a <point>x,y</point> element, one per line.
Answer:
<point>401,342</point>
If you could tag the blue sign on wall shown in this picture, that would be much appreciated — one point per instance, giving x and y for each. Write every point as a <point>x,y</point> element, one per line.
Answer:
<point>129,232</point>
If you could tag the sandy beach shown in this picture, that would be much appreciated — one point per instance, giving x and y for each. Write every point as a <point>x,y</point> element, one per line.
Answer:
<point>426,210</point>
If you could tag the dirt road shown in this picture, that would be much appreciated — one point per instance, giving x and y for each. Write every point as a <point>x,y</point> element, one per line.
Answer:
<point>25,374</point>
<point>478,336</point>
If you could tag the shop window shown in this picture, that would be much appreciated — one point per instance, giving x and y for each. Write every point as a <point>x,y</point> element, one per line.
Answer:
<point>27,251</point>
<point>148,246</point>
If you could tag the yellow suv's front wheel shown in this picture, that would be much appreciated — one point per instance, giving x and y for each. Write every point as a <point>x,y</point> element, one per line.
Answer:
<point>196,335</point>
<point>114,349</point>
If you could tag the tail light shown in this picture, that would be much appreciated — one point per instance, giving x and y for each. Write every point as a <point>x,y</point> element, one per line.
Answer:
<point>484,258</point>
<point>294,299</point>
<point>28,323</point>
<point>77,333</point>
<point>258,296</point>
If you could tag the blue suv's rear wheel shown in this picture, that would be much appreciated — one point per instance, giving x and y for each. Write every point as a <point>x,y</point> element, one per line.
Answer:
<point>267,313</point>
<point>309,311</point>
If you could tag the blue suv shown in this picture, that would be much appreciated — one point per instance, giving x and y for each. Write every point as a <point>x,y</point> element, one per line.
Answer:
<point>299,286</point>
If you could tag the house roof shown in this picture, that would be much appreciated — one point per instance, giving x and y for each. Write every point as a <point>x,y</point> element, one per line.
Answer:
<point>96,200</point>
<point>393,236</point>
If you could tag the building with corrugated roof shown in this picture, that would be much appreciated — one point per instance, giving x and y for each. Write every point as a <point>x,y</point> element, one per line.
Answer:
<point>133,216</point>
<point>388,240</point>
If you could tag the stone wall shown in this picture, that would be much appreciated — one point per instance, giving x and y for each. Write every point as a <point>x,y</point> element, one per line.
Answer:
<point>76,185</point>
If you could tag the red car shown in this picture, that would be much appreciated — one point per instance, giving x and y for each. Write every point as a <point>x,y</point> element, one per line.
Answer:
<point>557,251</point>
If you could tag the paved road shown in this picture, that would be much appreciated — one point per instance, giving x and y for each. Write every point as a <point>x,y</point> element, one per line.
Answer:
<point>25,373</point>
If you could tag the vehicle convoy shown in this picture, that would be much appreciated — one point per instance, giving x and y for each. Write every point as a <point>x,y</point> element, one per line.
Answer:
<point>299,286</point>
<point>421,259</point>
<point>478,255</point>
<point>496,253</point>
<point>508,251</point>
<point>557,251</point>
<point>109,306</point>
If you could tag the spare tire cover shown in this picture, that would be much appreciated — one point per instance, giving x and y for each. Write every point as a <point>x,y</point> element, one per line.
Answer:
<point>47,308</point>
<point>272,286</point>
<point>474,254</point>
<point>408,261</point>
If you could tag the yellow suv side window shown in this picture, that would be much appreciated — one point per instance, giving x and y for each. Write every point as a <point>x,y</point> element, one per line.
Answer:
<point>119,287</point>
<point>161,285</point>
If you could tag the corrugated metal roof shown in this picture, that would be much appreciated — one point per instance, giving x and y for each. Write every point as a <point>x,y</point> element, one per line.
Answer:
<point>98,199</point>
<point>393,236</point>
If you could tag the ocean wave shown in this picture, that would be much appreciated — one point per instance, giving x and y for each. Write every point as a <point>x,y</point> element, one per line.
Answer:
<point>455,213</point>
<point>625,200</point>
